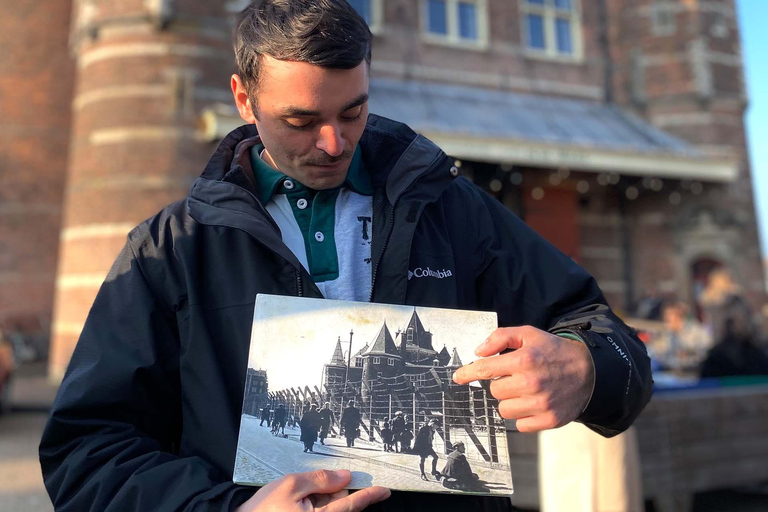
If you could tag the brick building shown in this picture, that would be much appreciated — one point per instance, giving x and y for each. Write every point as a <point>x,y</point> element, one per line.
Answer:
<point>613,127</point>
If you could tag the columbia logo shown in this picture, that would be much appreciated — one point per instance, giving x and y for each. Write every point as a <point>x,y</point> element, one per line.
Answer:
<point>428,272</point>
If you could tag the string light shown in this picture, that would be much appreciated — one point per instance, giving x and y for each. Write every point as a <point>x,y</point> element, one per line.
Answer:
<point>582,187</point>
<point>516,178</point>
<point>495,185</point>
<point>675,198</point>
<point>632,193</point>
<point>537,193</point>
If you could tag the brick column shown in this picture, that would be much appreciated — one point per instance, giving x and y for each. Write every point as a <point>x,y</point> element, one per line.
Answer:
<point>146,69</point>
<point>35,91</point>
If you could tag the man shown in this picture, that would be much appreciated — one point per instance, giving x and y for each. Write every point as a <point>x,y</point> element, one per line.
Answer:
<point>314,198</point>
<point>264,415</point>
<point>278,420</point>
<point>422,447</point>
<point>327,419</point>
<point>457,472</point>
<point>309,424</point>
<point>398,426</point>
<point>350,423</point>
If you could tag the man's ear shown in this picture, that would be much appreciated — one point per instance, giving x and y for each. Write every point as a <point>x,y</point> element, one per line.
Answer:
<point>242,100</point>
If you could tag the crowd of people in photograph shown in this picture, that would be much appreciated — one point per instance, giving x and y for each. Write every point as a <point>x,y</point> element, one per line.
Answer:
<point>396,437</point>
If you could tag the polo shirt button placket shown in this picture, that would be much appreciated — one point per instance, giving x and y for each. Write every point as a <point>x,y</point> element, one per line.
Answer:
<point>319,236</point>
<point>301,203</point>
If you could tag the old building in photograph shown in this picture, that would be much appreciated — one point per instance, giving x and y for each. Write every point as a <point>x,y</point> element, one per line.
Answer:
<point>615,128</point>
<point>409,356</point>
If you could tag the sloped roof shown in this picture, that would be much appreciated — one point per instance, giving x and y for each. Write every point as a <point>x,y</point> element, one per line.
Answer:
<point>383,342</point>
<point>444,356</point>
<point>338,355</point>
<point>455,360</point>
<point>496,126</point>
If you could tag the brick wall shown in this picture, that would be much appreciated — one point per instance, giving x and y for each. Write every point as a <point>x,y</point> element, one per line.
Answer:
<point>35,93</point>
<point>145,72</point>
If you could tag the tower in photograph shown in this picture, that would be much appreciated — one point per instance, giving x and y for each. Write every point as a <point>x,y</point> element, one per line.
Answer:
<point>335,372</point>
<point>416,342</point>
<point>380,360</point>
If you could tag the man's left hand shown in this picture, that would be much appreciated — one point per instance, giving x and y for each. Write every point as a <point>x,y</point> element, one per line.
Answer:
<point>544,383</point>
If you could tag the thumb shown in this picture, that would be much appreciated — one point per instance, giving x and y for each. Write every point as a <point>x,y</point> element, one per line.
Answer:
<point>319,482</point>
<point>502,339</point>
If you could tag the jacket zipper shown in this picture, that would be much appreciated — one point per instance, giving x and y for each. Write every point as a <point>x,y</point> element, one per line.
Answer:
<point>299,283</point>
<point>392,221</point>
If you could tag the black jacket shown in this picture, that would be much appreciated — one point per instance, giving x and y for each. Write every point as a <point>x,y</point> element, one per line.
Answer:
<point>148,413</point>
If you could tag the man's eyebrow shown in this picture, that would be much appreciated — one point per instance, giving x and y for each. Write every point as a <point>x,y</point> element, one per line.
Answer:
<point>302,112</point>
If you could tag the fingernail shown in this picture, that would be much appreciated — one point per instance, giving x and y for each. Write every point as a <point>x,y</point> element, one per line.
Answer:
<point>454,377</point>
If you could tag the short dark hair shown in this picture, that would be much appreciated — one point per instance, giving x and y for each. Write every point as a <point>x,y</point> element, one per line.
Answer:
<point>326,33</point>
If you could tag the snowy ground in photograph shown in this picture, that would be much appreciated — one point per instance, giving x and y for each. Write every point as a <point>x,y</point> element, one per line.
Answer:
<point>262,457</point>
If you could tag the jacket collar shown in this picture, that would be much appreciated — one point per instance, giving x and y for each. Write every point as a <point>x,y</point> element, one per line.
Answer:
<point>393,154</point>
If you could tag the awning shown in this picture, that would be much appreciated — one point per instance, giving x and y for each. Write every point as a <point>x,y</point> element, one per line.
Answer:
<point>504,127</point>
<point>541,131</point>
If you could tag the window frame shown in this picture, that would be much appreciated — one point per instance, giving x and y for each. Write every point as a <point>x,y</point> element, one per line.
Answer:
<point>377,17</point>
<point>550,14</point>
<point>452,38</point>
<point>390,361</point>
<point>377,360</point>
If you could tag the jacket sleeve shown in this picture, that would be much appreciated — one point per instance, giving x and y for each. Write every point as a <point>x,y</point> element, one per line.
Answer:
<point>114,430</point>
<point>529,282</point>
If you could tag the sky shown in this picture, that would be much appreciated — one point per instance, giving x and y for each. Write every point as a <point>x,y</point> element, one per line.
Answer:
<point>753,15</point>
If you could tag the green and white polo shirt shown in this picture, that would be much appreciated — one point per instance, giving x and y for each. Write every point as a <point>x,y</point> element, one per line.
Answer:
<point>329,231</point>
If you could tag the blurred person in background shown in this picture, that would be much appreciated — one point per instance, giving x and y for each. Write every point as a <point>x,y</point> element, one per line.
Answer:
<point>737,351</point>
<point>684,342</point>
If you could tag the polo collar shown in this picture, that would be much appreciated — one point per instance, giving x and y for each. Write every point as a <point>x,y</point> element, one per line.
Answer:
<point>268,179</point>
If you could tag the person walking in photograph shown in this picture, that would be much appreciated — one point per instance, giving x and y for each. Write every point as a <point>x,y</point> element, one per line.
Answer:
<point>423,448</point>
<point>264,415</point>
<point>398,426</point>
<point>310,424</point>
<point>386,437</point>
<point>350,421</point>
<point>327,419</point>
<point>278,420</point>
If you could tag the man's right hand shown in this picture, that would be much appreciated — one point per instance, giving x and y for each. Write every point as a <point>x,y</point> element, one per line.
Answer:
<point>319,490</point>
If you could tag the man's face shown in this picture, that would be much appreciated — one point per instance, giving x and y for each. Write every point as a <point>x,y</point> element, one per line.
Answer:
<point>310,119</point>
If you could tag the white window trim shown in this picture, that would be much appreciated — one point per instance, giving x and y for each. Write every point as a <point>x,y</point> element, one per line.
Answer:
<point>452,38</point>
<point>390,361</point>
<point>550,14</point>
<point>377,15</point>
<point>376,360</point>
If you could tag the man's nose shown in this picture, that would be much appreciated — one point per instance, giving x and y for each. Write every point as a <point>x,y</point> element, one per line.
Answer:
<point>330,140</point>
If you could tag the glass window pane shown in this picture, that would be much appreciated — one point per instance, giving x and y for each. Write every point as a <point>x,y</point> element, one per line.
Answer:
<point>467,20</point>
<point>438,23</point>
<point>564,36</point>
<point>564,5</point>
<point>535,31</point>
<point>363,8</point>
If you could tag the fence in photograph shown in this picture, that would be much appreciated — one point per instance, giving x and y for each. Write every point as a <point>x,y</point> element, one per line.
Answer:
<point>464,413</point>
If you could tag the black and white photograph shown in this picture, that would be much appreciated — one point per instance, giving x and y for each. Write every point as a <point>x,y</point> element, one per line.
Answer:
<point>368,388</point>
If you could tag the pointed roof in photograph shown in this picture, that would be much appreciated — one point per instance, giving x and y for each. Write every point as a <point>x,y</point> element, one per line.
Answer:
<point>415,324</point>
<point>444,356</point>
<point>455,359</point>
<point>383,342</point>
<point>338,355</point>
